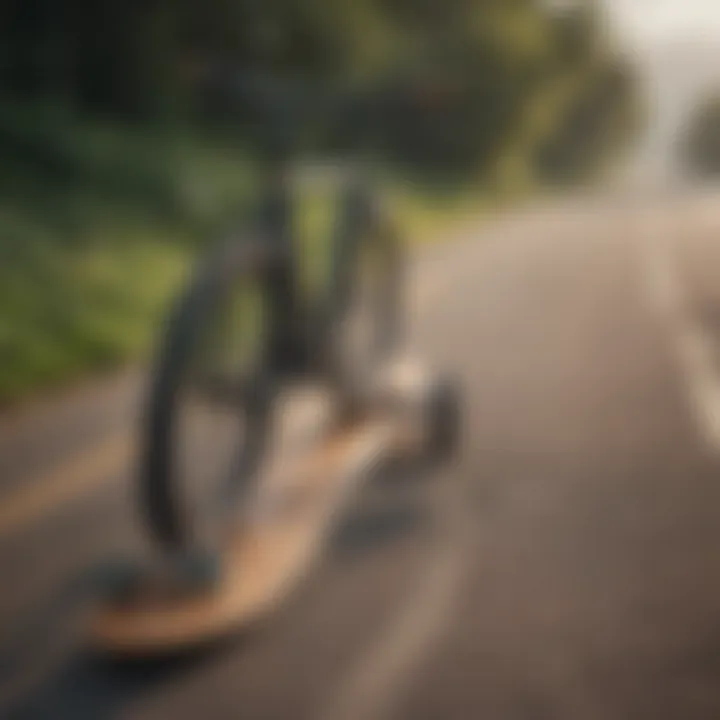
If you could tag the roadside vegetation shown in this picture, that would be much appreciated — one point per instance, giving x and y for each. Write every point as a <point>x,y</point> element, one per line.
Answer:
<point>699,144</point>
<point>123,151</point>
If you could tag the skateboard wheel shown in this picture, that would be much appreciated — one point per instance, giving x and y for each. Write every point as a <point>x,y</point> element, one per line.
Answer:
<point>191,574</point>
<point>119,581</point>
<point>198,571</point>
<point>442,419</point>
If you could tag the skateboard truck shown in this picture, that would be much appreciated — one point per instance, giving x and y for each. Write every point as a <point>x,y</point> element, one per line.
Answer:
<point>184,602</point>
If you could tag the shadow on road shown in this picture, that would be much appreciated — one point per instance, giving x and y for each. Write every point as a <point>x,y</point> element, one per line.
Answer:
<point>400,511</point>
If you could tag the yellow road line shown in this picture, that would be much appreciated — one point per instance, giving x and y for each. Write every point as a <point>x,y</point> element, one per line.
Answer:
<point>80,475</point>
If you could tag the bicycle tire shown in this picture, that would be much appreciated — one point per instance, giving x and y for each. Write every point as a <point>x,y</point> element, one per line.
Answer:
<point>169,520</point>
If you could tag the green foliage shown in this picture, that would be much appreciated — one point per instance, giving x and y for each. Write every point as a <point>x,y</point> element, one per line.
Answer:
<point>98,225</point>
<point>124,142</point>
<point>63,311</point>
<point>453,80</point>
<point>597,113</point>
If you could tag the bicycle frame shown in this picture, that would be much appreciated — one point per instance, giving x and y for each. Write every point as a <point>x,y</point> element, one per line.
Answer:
<point>299,327</point>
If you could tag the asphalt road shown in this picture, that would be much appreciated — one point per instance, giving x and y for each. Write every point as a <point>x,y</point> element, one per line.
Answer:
<point>565,566</point>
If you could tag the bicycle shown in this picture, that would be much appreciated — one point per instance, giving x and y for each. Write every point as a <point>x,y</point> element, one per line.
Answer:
<point>221,567</point>
<point>297,337</point>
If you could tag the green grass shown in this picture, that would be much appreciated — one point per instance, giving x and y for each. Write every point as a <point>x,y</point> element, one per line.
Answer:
<point>424,217</point>
<point>67,310</point>
<point>99,225</point>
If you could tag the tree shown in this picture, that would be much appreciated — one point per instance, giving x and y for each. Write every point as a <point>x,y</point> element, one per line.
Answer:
<point>461,84</point>
<point>700,140</point>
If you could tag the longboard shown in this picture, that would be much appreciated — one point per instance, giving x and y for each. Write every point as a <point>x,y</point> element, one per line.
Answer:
<point>277,544</point>
<point>262,562</point>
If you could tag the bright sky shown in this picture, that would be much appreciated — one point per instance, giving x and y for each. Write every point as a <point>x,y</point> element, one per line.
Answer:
<point>651,21</point>
<point>677,44</point>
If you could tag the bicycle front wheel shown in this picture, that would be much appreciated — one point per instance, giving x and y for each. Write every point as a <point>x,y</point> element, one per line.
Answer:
<point>209,406</point>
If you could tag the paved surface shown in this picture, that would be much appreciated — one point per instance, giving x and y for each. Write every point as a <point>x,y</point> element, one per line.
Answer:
<point>565,567</point>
